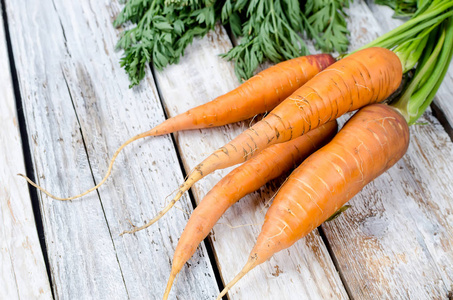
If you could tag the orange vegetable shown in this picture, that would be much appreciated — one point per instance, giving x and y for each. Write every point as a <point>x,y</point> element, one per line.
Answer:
<point>260,94</point>
<point>372,141</point>
<point>364,77</point>
<point>269,164</point>
<point>257,95</point>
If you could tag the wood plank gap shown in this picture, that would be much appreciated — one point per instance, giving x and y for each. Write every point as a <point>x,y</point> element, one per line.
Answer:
<point>211,254</point>
<point>26,153</point>
<point>439,114</point>
<point>234,40</point>
<point>64,37</point>
<point>207,241</point>
<point>92,176</point>
<point>325,240</point>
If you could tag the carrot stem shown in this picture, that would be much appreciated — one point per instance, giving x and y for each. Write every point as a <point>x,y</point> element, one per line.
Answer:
<point>405,100</point>
<point>410,25</point>
<point>423,98</point>
<point>419,94</point>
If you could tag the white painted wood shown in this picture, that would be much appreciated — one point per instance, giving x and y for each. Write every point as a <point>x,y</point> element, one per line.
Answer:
<point>23,273</point>
<point>303,272</point>
<point>396,241</point>
<point>68,70</point>
<point>76,95</point>
<point>383,15</point>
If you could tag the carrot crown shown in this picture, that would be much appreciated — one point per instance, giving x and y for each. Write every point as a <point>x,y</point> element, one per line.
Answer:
<point>424,45</point>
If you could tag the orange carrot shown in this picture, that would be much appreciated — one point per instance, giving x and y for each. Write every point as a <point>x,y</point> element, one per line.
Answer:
<point>372,141</point>
<point>260,94</point>
<point>364,77</point>
<point>257,95</point>
<point>269,164</point>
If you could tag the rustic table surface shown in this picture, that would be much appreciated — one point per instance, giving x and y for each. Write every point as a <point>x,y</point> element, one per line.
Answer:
<point>65,107</point>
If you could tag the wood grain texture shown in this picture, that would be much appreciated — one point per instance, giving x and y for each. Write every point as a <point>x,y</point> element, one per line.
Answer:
<point>303,272</point>
<point>78,110</point>
<point>23,273</point>
<point>396,241</point>
<point>383,15</point>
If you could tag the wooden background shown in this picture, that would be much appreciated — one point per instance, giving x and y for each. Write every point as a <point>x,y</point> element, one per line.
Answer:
<point>65,107</point>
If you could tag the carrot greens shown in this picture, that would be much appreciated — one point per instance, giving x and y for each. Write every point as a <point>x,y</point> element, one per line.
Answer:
<point>270,30</point>
<point>161,32</point>
<point>402,8</point>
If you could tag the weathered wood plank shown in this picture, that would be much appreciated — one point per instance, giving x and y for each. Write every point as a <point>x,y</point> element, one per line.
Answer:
<point>81,254</point>
<point>79,110</point>
<point>23,273</point>
<point>303,272</point>
<point>397,239</point>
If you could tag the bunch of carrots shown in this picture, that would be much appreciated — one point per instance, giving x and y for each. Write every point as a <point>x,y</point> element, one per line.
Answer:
<point>300,130</point>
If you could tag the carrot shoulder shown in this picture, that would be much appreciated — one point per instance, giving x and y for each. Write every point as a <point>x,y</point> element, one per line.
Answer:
<point>365,77</point>
<point>269,164</point>
<point>257,95</point>
<point>372,141</point>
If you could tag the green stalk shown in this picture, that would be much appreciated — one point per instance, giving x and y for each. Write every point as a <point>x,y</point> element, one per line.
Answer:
<point>410,51</point>
<point>432,42</point>
<point>410,27</point>
<point>429,75</point>
<point>423,6</point>
<point>424,97</point>
<point>403,103</point>
<point>398,35</point>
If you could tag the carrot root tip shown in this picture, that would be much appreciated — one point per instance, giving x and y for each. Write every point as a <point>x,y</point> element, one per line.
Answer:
<point>159,215</point>
<point>251,263</point>
<point>169,285</point>
<point>135,229</point>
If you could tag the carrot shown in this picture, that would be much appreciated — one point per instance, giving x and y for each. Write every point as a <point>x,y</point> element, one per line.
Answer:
<point>364,77</point>
<point>372,141</point>
<point>269,164</point>
<point>369,144</point>
<point>257,95</point>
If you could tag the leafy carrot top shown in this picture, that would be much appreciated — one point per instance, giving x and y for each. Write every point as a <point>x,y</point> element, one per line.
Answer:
<point>270,30</point>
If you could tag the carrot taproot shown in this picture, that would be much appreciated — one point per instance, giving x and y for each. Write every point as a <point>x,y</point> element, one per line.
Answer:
<point>364,77</point>
<point>269,164</point>
<point>257,95</point>
<point>372,141</point>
